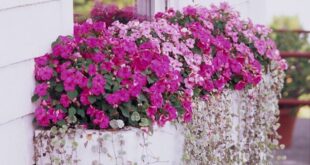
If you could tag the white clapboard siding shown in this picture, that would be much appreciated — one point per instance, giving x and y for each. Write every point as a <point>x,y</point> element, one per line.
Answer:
<point>27,29</point>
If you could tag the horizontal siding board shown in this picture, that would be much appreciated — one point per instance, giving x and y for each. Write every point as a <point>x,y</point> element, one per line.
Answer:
<point>16,142</point>
<point>11,4</point>
<point>28,32</point>
<point>16,86</point>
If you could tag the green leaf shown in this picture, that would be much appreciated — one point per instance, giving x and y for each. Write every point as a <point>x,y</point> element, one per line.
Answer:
<point>59,88</point>
<point>81,113</point>
<point>142,99</point>
<point>92,99</point>
<point>144,122</point>
<point>124,111</point>
<point>72,111</point>
<point>45,97</point>
<point>61,123</point>
<point>135,116</point>
<point>73,94</point>
<point>116,87</point>
<point>34,98</point>
<point>151,79</point>
<point>89,83</point>
<point>72,119</point>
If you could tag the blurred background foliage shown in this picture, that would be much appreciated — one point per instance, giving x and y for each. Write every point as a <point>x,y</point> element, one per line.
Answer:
<point>82,8</point>
<point>297,80</point>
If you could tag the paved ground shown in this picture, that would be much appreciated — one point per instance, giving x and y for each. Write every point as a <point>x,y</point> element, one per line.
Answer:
<point>299,153</point>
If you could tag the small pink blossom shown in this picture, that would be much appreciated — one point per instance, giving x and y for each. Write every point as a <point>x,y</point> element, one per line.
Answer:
<point>65,100</point>
<point>92,69</point>
<point>44,73</point>
<point>41,89</point>
<point>41,117</point>
<point>42,60</point>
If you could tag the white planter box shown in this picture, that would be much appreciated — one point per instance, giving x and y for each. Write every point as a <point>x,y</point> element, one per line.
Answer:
<point>130,146</point>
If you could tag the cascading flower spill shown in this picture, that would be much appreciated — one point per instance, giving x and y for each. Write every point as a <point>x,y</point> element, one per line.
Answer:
<point>143,73</point>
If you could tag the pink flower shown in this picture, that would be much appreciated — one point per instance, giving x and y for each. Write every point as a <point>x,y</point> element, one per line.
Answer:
<point>101,119</point>
<point>98,84</point>
<point>261,46</point>
<point>162,120</point>
<point>118,97</point>
<point>187,117</point>
<point>65,73</point>
<point>124,73</point>
<point>55,115</point>
<point>220,83</point>
<point>222,43</point>
<point>187,105</point>
<point>41,89</point>
<point>208,85</point>
<point>283,64</point>
<point>44,73</point>
<point>190,11</point>
<point>80,79</point>
<point>151,112</point>
<point>65,100</point>
<point>98,117</point>
<point>91,111</point>
<point>107,66</point>
<point>64,47</point>
<point>42,60</point>
<point>69,84</point>
<point>156,100</point>
<point>92,69</point>
<point>98,57</point>
<point>41,117</point>
<point>84,97</point>
<point>171,111</point>
<point>160,66</point>
<point>190,42</point>
<point>240,85</point>
<point>235,66</point>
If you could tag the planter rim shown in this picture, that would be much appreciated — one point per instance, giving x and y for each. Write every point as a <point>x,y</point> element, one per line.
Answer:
<point>124,129</point>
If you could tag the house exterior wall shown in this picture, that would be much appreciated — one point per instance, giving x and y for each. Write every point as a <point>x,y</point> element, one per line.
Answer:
<point>27,29</point>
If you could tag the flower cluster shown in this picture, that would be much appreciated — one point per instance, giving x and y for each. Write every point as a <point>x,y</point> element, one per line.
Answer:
<point>94,78</point>
<point>149,72</point>
<point>219,49</point>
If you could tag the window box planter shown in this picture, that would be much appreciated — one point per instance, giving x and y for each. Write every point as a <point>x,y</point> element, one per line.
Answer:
<point>128,146</point>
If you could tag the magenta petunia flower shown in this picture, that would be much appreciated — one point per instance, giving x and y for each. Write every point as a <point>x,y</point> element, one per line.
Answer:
<point>124,73</point>
<point>41,89</point>
<point>44,73</point>
<point>84,97</point>
<point>41,117</point>
<point>240,85</point>
<point>55,115</point>
<point>261,46</point>
<point>92,69</point>
<point>65,100</point>
<point>156,99</point>
<point>171,111</point>
<point>42,60</point>
<point>98,84</point>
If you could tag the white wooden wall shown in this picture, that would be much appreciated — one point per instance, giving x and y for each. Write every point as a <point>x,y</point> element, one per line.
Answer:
<point>254,9</point>
<point>27,29</point>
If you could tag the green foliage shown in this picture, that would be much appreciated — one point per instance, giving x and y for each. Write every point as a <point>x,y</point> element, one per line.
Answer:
<point>297,80</point>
